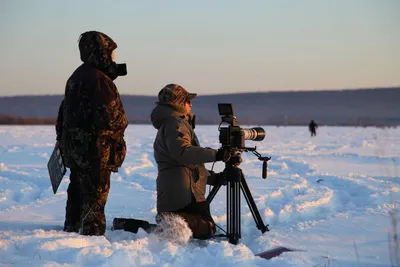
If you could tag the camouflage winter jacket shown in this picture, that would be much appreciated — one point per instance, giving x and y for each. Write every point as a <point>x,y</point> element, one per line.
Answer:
<point>91,120</point>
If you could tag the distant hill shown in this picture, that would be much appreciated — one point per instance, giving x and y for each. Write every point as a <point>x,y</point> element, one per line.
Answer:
<point>362,107</point>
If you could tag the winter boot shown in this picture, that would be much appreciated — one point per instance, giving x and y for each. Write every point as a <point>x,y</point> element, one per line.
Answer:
<point>132,225</point>
<point>118,224</point>
<point>71,228</point>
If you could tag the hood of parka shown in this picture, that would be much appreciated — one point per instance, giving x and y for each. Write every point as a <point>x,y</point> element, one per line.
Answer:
<point>96,50</point>
<point>162,111</point>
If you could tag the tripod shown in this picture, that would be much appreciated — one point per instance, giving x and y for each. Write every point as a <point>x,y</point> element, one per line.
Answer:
<point>235,180</point>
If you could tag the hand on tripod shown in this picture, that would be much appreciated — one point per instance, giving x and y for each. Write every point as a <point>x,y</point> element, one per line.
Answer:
<point>235,159</point>
<point>223,155</point>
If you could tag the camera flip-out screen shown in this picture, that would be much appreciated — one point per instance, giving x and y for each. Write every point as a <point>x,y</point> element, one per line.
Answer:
<point>225,109</point>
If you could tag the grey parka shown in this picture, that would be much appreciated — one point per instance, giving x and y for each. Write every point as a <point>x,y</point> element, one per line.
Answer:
<point>182,176</point>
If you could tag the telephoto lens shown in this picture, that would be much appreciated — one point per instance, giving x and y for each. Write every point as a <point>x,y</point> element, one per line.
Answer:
<point>254,134</point>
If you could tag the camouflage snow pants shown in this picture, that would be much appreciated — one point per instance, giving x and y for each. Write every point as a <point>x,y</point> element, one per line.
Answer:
<point>87,197</point>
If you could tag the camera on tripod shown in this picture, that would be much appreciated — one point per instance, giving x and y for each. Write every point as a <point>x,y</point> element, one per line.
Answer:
<point>233,137</point>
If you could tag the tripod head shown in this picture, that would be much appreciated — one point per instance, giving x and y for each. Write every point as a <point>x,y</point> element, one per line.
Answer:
<point>236,159</point>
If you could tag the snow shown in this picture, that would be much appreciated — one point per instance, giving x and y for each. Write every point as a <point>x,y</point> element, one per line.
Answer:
<point>328,197</point>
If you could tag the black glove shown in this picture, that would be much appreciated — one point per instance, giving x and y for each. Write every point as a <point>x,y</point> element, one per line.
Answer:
<point>223,155</point>
<point>236,159</point>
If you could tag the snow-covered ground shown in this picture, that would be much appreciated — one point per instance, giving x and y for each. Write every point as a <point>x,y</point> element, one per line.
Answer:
<point>328,196</point>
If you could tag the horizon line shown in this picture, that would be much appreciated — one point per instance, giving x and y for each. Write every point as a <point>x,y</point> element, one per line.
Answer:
<point>237,93</point>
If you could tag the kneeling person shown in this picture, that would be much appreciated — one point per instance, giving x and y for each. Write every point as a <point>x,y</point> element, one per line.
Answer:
<point>182,176</point>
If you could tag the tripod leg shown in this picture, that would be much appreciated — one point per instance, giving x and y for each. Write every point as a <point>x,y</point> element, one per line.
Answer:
<point>212,193</point>
<point>233,211</point>
<point>252,205</point>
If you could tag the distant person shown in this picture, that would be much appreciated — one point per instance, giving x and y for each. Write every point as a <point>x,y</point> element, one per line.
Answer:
<point>90,131</point>
<point>313,128</point>
<point>182,176</point>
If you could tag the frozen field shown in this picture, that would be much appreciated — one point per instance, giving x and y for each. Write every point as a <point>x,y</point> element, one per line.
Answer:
<point>329,196</point>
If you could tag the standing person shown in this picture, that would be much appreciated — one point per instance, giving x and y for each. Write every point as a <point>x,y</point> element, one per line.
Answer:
<point>90,131</point>
<point>182,177</point>
<point>313,128</point>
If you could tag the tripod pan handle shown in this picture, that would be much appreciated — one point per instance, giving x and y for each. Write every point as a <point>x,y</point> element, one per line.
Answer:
<point>264,170</point>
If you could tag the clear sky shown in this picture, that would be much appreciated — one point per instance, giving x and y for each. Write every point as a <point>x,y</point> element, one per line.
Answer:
<point>206,46</point>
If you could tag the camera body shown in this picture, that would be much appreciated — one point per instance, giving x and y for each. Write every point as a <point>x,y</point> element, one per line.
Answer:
<point>233,137</point>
